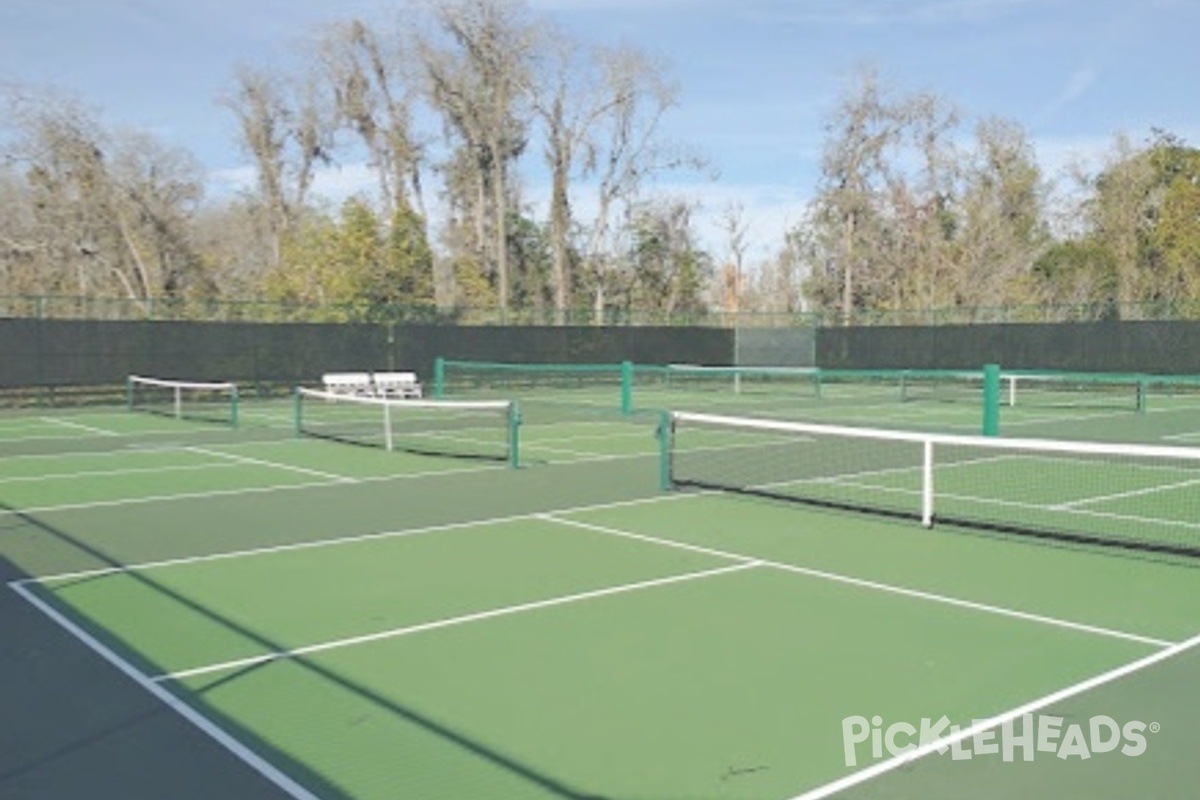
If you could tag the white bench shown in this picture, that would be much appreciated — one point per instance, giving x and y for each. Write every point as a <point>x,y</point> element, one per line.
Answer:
<point>354,383</point>
<point>397,384</point>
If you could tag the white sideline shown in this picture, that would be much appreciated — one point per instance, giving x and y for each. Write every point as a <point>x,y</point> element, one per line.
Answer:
<point>888,765</point>
<point>206,725</point>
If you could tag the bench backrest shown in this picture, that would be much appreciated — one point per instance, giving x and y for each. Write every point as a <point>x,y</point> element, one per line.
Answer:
<point>347,381</point>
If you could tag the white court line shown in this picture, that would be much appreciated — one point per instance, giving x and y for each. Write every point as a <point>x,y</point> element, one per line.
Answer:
<point>206,725</point>
<point>258,462</point>
<point>408,630</point>
<point>133,501</point>
<point>64,437</point>
<point>136,448</point>
<point>75,455</point>
<point>293,487</point>
<point>78,426</point>
<point>542,448</point>
<point>105,473</point>
<point>345,540</point>
<point>1168,487</point>
<point>873,585</point>
<point>237,492</point>
<point>1075,509</point>
<point>646,433</point>
<point>882,767</point>
<point>1072,507</point>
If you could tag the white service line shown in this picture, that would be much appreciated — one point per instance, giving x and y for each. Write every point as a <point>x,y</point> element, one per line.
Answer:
<point>78,426</point>
<point>133,501</point>
<point>258,462</point>
<point>235,492</point>
<point>343,540</point>
<point>463,619</point>
<point>542,448</point>
<point>210,728</point>
<point>873,585</point>
<point>1166,487</point>
<point>107,473</point>
<point>882,767</point>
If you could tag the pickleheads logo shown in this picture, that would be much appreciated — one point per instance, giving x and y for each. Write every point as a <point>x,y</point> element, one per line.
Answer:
<point>1022,738</point>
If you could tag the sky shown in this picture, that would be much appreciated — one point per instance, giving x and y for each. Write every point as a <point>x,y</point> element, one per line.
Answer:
<point>758,78</point>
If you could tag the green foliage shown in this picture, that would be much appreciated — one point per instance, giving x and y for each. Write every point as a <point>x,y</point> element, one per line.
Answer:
<point>472,287</point>
<point>1075,272</point>
<point>354,265</point>
<point>409,259</point>
<point>530,263</point>
<point>1146,215</point>
<point>667,271</point>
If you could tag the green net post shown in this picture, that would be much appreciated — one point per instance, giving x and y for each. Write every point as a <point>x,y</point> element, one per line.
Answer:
<point>1143,389</point>
<point>626,388</point>
<point>129,393</point>
<point>514,435</point>
<point>439,378</point>
<point>663,433</point>
<point>233,405</point>
<point>991,400</point>
<point>297,423</point>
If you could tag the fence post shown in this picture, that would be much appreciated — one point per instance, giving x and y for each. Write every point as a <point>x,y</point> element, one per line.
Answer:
<point>626,388</point>
<point>991,400</point>
<point>664,450</point>
<point>439,377</point>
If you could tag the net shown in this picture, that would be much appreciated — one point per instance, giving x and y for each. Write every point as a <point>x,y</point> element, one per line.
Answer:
<point>1101,390</point>
<point>1141,497</point>
<point>744,390</point>
<point>479,429</point>
<point>190,400</point>
<point>797,392</point>
<point>1074,390</point>
<point>587,384</point>
<point>749,381</point>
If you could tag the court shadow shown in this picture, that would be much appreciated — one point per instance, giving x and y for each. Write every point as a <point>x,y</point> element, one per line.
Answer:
<point>136,718</point>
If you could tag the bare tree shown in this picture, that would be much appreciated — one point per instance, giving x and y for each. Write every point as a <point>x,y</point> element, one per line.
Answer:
<point>477,64</point>
<point>371,96</point>
<point>855,169</point>
<point>285,128</point>
<point>102,213</point>
<point>733,280</point>
<point>626,149</point>
<point>665,269</point>
<point>568,103</point>
<point>1118,214</point>
<point>1001,217</point>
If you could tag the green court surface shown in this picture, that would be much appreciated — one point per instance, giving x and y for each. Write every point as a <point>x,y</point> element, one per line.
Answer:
<point>348,622</point>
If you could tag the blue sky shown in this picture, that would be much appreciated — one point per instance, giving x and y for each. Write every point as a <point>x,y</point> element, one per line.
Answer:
<point>758,77</point>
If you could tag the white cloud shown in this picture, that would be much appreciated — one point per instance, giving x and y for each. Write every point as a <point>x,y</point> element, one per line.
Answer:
<point>1077,85</point>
